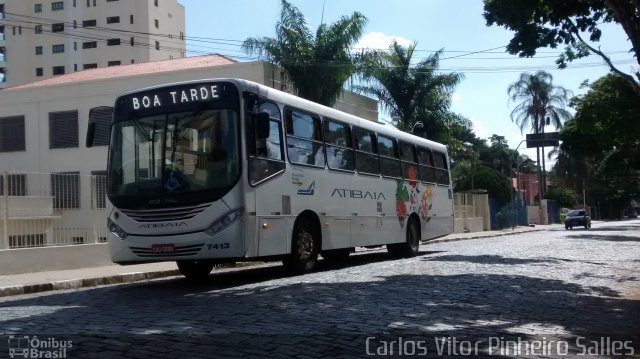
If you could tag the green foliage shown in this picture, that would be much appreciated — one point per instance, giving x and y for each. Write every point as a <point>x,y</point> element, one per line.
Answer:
<point>566,197</point>
<point>551,23</point>
<point>317,65</point>
<point>600,148</point>
<point>538,102</point>
<point>411,93</point>
<point>495,183</point>
<point>610,108</point>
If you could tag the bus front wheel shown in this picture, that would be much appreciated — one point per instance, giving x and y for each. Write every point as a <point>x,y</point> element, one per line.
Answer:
<point>304,249</point>
<point>195,270</point>
<point>412,244</point>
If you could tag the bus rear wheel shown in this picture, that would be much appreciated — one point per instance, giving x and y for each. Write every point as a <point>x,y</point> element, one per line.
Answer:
<point>195,269</point>
<point>412,244</point>
<point>304,249</point>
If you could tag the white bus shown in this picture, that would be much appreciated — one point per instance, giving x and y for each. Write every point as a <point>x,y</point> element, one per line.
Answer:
<point>227,170</point>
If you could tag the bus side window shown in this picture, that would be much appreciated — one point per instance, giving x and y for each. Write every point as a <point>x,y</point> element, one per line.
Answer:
<point>409,161</point>
<point>442,172</point>
<point>266,156</point>
<point>366,155</point>
<point>427,172</point>
<point>304,138</point>
<point>389,159</point>
<point>337,138</point>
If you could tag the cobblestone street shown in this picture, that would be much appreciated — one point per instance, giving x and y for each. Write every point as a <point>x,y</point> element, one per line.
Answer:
<point>553,283</point>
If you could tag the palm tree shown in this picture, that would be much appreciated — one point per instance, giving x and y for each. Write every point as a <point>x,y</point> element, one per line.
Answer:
<point>319,65</point>
<point>539,104</point>
<point>409,93</point>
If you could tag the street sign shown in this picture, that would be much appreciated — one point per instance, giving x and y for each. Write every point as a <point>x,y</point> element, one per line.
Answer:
<point>548,139</point>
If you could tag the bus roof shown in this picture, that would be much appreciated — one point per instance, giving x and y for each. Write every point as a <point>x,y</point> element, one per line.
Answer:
<point>303,104</point>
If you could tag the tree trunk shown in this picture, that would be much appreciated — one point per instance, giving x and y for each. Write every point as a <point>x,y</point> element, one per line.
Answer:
<point>539,175</point>
<point>544,175</point>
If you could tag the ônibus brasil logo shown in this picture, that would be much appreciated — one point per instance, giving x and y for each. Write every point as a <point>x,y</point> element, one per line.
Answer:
<point>34,347</point>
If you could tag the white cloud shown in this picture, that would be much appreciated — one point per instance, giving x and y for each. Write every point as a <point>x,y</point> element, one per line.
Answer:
<point>380,41</point>
<point>479,128</point>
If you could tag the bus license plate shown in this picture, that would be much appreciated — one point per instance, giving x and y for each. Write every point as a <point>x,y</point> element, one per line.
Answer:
<point>163,248</point>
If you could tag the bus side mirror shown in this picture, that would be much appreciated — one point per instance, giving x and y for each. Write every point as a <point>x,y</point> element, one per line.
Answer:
<point>98,115</point>
<point>263,125</point>
<point>91,133</point>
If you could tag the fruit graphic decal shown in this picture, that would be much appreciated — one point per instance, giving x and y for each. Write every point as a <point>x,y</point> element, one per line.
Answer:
<point>409,198</point>
<point>402,196</point>
<point>426,202</point>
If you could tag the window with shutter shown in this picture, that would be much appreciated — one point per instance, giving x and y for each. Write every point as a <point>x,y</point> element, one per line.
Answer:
<point>100,183</point>
<point>89,23</point>
<point>63,129</point>
<point>12,134</point>
<point>65,189</point>
<point>16,184</point>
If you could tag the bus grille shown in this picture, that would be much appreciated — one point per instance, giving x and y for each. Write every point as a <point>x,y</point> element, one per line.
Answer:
<point>179,251</point>
<point>166,214</point>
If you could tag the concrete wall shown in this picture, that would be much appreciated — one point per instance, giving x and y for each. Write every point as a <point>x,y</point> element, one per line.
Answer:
<point>535,216</point>
<point>26,260</point>
<point>471,212</point>
<point>475,224</point>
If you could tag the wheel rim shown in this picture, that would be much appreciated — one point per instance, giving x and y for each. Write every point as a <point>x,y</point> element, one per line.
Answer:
<point>305,245</point>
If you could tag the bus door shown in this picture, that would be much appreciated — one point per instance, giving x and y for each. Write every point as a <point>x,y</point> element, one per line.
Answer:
<point>265,167</point>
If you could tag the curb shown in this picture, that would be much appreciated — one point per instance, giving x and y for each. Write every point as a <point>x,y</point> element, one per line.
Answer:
<point>107,280</point>
<point>85,283</point>
<point>436,241</point>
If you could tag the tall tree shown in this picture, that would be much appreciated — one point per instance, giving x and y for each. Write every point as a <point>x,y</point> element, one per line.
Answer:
<point>409,93</point>
<point>576,23</point>
<point>538,103</point>
<point>317,65</point>
<point>600,150</point>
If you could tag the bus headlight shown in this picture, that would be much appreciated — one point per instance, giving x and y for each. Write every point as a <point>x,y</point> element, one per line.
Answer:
<point>116,230</point>
<point>224,221</point>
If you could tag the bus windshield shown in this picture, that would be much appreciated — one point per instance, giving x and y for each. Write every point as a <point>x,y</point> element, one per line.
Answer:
<point>170,155</point>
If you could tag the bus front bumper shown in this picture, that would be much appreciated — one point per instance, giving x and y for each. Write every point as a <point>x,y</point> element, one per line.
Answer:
<point>197,245</point>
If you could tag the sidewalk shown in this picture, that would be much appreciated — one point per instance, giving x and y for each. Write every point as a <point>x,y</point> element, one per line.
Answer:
<point>27,283</point>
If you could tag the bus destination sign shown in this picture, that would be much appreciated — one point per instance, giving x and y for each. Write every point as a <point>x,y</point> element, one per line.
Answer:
<point>175,95</point>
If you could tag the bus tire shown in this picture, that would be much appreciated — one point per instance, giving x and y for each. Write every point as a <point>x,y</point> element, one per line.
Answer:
<point>336,255</point>
<point>195,269</point>
<point>304,248</point>
<point>412,244</point>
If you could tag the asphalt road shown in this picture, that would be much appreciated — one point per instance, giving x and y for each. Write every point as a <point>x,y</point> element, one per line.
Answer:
<point>568,290</point>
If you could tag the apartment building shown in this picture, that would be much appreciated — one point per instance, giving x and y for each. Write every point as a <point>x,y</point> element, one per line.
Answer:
<point>40,39</point>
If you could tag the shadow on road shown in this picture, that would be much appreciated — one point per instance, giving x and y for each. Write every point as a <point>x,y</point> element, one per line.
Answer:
<point>489,259</point>
<point>605,237</point>
<point>614,229</point>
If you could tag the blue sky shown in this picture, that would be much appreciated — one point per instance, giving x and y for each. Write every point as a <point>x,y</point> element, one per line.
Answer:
<point>457,26</point>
